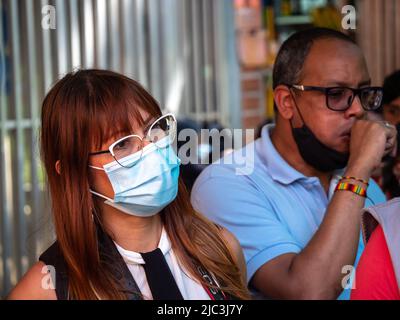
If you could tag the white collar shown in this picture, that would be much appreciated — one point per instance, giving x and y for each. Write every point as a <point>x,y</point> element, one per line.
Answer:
<point>132,257</point>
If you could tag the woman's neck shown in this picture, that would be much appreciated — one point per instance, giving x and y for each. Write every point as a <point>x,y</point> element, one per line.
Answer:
<point>139,234</point>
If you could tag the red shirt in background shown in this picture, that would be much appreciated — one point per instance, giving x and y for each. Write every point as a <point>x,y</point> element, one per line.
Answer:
<point>375,278</point>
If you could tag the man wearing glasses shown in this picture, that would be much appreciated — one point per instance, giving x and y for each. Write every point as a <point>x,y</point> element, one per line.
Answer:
<point>297,215</point>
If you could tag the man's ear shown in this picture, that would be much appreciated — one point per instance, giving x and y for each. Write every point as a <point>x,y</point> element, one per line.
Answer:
<point>284,101</point>
<point>58,166</point>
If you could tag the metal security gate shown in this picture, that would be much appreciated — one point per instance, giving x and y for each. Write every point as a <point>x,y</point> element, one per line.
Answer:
<point>183,51</point>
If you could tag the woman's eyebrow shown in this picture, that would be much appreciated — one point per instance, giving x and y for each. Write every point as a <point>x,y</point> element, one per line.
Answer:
<point>147,123</point>
<point>114,137</point>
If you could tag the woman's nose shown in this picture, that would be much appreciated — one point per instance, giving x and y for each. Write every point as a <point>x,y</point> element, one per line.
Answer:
<point>146,142</point>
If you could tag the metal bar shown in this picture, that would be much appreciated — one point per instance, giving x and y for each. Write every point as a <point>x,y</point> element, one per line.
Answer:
<point>19,215</point>
<point>43,207</point>
<point>45,61</point>
<point>7,235</point>
<point>62,29</point>
<point>228,74</point>
<point>155,48</point>
<point>5,223</point>
<point>142,53</point>
<point>101,34</point>
<point>47,56</point>
<point>196,13</point>
<point>189,59</point>
<point>185,29</point>
<point>87,33</point>
<point>213,52</point>
<point>129,41</point>
<point>75,34</point>
<point>207,53</point>
<point>53,47</point>
<point>114,18</point>
<point>162,54</point>
<point>219,63</point>
<point>173,60</point>
<point>34,107</point>
<point>182,51</point>
<point>23,123</point>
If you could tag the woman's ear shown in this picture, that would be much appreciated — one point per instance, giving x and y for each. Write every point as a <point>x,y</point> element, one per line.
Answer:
<point>284,101</point>
<point>58,167</point>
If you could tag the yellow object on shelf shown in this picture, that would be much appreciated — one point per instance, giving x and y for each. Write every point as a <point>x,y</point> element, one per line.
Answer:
<point>270,22</point>
<point>269,101</point>
<point>286,8</point>
<point>328,17</point>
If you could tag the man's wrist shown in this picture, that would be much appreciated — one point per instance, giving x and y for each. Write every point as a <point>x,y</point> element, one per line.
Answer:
<point>359,172</point>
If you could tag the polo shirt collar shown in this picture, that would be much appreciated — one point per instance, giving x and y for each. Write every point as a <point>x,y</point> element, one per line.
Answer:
<point>278,168</point>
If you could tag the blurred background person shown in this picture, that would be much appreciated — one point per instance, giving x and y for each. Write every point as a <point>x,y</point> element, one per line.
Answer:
<point>391,98</point>
<point>388,175</point>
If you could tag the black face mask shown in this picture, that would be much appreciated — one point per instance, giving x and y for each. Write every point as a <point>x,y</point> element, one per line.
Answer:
<point>314,152</point>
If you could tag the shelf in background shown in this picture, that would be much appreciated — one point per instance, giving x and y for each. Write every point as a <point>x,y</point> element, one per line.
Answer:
<point>292,20</point>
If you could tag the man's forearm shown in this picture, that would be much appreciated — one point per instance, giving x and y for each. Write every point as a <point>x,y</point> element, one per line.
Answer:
<point>317,270</point>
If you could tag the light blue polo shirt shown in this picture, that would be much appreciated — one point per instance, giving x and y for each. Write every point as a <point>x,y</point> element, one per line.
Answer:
<point>268,205</point>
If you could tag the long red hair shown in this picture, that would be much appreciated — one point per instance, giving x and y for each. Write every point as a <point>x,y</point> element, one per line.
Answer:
<point>82,110</point>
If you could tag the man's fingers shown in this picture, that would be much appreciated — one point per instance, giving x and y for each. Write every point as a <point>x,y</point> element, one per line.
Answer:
<point>394,151</point>
<point>391,130</point>
<point>391,146</point>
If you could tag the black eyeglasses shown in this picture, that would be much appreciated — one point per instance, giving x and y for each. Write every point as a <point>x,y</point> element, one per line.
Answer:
<point>341,98</point>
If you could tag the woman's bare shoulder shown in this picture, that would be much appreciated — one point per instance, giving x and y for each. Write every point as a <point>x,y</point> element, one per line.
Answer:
<point>36,284</point>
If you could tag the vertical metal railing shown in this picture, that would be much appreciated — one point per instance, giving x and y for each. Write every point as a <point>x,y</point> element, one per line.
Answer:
<point>155,48</point>
<point>172,47</point>
<point>5,187</point>
<point>35,185</point>
<point>19,223</point>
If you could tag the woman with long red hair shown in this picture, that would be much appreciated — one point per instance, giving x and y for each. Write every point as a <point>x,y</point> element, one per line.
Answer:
<point>125,228</point>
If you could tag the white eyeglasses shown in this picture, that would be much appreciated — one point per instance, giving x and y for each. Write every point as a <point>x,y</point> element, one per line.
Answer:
<point>162,133</point>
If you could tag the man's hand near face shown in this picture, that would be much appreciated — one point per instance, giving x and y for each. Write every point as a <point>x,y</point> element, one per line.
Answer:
<point>370,142</point>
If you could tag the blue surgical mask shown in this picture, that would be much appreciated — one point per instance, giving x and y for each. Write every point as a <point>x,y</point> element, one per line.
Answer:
<point>148,186</point>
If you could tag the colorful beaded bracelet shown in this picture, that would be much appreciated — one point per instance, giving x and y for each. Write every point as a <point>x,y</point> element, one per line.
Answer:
<point>352,187</point>
<point>354,178</point>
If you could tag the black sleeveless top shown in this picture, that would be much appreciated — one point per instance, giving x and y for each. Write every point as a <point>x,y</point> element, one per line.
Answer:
<point>109,254</point>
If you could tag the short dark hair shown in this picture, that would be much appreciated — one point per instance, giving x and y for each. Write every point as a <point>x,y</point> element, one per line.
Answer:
<point>391,87</point>
<point>293,53</point>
